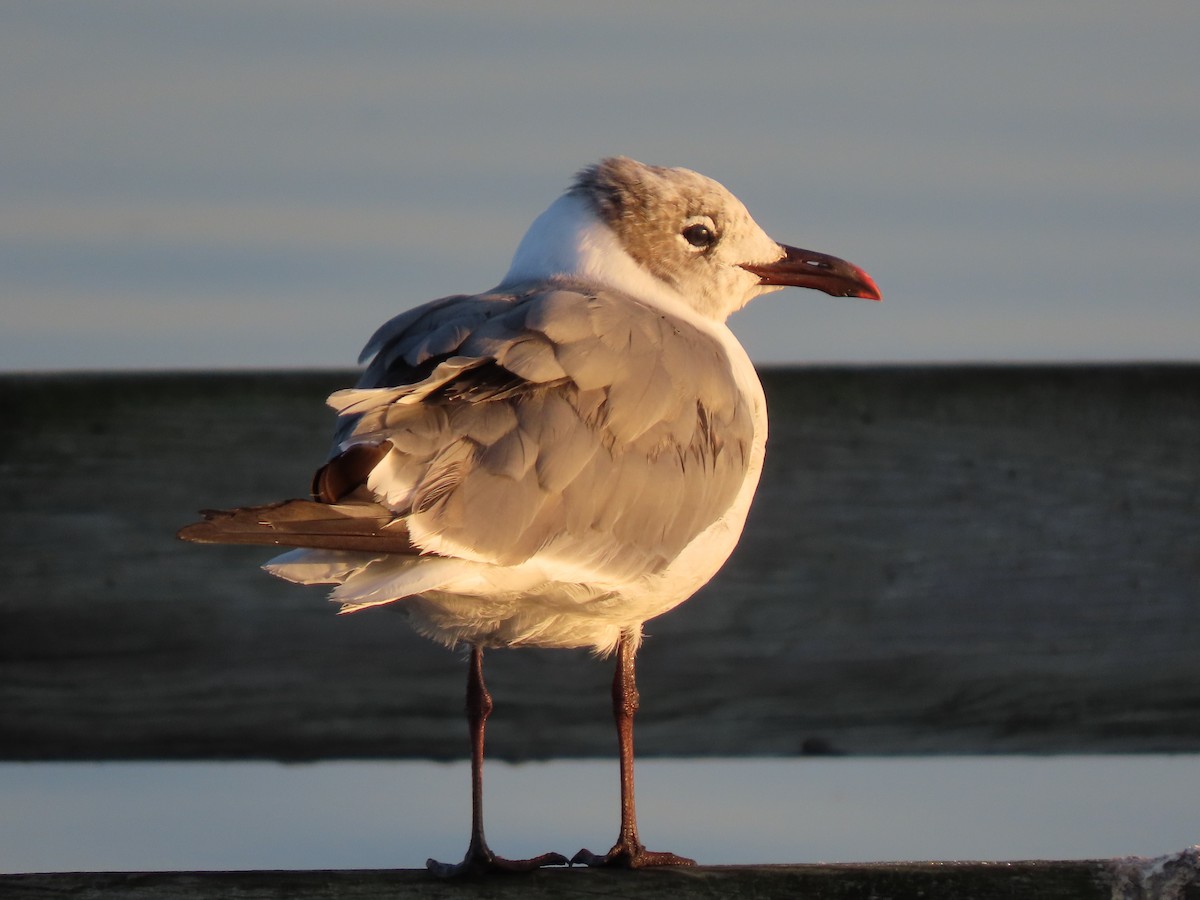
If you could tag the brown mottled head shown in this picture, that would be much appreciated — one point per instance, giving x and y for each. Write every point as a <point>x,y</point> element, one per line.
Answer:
<point>692,233</point>
<point>656,232</point>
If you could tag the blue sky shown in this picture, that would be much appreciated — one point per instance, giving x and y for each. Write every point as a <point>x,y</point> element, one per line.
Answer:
<point>225,184</point>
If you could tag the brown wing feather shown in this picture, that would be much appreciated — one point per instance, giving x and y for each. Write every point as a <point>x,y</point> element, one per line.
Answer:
<point>304,523</point>
<point>347,471</point>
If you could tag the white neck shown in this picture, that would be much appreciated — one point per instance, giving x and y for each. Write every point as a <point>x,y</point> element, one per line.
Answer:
<point>569,240</point>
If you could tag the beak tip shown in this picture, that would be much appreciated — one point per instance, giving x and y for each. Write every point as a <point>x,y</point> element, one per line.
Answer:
<point>870,290</point>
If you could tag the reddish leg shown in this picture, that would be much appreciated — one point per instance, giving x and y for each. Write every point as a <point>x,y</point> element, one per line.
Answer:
<point>628,852</point>
<point>480,858</point>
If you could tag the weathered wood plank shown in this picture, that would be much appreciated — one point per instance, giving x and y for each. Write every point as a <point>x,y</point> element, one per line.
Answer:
<point>964,881</point>
<point>1173,877</point>
<point>946,559</point>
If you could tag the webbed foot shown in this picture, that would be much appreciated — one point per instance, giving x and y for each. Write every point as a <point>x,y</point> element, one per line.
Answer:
<point>630,856</point>
<point>485,862</point>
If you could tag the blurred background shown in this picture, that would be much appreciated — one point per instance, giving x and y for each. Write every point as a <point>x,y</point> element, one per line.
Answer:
<point>951,566</point>
<point>238,185</point>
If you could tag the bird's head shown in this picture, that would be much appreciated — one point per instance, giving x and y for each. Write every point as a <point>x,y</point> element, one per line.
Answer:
<point>648,229</point>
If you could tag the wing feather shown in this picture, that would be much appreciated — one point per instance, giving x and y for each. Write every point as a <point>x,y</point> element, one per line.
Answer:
<point>562,424</point>
<point>627,437</point>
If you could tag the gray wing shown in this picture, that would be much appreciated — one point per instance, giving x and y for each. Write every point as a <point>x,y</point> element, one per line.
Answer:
<point>577,426</point>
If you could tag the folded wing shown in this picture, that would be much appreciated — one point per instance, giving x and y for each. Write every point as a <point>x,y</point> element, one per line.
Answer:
<point>571,429</point>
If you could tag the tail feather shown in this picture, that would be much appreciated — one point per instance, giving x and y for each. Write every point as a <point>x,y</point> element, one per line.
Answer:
<point>365,527</point>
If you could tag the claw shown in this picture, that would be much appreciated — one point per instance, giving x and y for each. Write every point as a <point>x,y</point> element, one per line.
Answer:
<point>485,863</point>
<point>634,856</point>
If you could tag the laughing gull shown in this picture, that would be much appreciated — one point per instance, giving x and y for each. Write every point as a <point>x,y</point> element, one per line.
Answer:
<point>555,461</point>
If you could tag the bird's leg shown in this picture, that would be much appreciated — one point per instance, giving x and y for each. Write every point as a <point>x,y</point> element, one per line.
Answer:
<point>480,858</point>
<point>628,852</point>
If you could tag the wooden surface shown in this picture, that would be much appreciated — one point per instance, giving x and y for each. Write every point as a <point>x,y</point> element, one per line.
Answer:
<point>1082,880</point>
<point>945,559</point>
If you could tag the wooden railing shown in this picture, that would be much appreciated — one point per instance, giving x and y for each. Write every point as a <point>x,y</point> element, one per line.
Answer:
<point>944,559</point>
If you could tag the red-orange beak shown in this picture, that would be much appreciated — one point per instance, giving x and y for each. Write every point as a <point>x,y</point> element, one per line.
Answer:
<point>819,271</point>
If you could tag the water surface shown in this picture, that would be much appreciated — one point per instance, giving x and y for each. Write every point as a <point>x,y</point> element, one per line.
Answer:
<point>190,816</point>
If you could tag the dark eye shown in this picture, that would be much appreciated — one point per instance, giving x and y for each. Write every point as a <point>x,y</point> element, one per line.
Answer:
<point>700,236</point>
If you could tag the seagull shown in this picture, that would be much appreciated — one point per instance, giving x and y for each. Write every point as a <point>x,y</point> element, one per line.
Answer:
<point>555,461</point>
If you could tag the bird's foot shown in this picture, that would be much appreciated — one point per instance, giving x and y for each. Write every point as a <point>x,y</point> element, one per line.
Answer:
<point>485,862</point>
<point>630,855</point>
